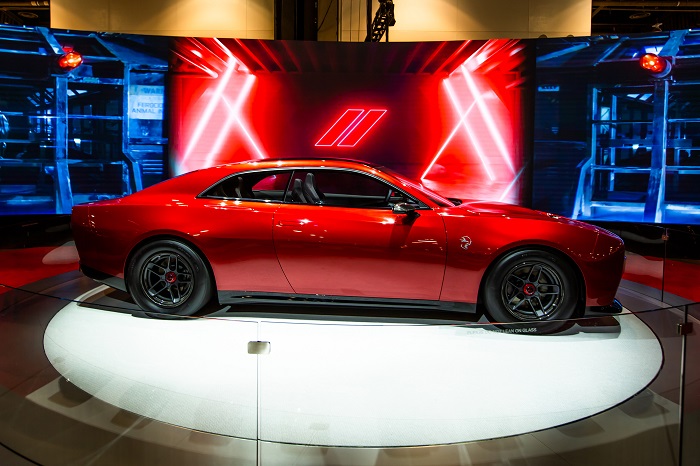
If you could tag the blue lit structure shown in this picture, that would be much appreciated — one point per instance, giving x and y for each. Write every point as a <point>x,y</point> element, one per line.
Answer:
<point>614,141</point>
<point>74,135</point>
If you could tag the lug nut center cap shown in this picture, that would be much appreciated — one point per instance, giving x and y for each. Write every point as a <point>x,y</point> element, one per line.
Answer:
<point>529,289</point>
<point>170,277</point>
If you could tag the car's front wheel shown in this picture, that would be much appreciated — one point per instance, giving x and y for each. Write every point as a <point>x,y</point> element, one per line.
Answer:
<point>531,286</point>
<point>169,277</point>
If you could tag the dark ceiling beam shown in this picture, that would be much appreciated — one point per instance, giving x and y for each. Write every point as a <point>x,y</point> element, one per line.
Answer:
<point>25,4</point>
<point>7,17</point>
<point>657,10</point>
<point>673,5</point>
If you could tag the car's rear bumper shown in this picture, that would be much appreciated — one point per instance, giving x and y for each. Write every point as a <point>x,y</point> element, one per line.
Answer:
<point>107,279</point>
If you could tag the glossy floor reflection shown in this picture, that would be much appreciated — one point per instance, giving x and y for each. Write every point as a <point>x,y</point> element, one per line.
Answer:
<point>50,420</point>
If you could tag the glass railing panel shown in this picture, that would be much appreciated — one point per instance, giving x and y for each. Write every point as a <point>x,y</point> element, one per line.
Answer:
<point>691,389</point>
<point>644,428</point>
<point>86,378</point>
<point>682,266</point>
<point>645,250</point>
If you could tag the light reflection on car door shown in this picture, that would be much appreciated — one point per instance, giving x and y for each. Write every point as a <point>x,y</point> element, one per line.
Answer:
<point>234,218</point>
<point>357,251</point>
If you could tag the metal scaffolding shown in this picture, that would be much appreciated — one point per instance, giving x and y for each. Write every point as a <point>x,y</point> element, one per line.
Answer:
<point>640,153</point>
<point>76,135</point>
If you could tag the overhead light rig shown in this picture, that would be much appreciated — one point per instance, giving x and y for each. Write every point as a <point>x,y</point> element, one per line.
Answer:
<point>383,19</point>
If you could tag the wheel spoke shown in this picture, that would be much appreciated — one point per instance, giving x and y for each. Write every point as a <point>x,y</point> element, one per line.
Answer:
<point>156,274</point>
<point>513,298</point>
<point>537,307</point>
<point>152,265</point>
<point>535,274</point>
<point>174,294</point>
<point>152,291</point>
<point>515,281</point>
<point>549,290</point>
<point>522,300</point>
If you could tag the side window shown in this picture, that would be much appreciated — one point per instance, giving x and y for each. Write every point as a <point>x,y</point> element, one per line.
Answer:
<point>342,189</point>
<point>260,186</point>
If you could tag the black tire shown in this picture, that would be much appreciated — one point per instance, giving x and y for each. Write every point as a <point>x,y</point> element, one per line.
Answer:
<point>531,286</point>
<point>168,277</point>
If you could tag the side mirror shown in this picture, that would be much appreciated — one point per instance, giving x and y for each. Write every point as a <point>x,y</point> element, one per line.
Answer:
<point>403,208</point>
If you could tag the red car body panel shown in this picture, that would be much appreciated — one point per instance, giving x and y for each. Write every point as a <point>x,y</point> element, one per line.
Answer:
<point>334,250</point>
<point>277,247</point>
<point>495,229</point>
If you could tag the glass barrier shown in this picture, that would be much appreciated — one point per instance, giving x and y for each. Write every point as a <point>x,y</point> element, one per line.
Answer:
<point>645,251</point>
<point>682,266</point>
<point>662,261</point>
<point>691,388</point>
<point>87,378</point>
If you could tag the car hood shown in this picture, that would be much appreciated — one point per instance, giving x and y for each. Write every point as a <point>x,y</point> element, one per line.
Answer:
<point>509,210</point>
<point>500,208</point>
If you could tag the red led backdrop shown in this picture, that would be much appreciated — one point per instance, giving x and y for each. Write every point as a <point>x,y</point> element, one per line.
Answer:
<point>448,113</point>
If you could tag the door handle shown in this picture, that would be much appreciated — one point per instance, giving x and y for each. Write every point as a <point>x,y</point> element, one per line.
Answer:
<point>287,223</point>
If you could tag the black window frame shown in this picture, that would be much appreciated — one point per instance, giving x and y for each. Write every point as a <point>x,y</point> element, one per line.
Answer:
<point>420,205</point>
<point>207,193</point>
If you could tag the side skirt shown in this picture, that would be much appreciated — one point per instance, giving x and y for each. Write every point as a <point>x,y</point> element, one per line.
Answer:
<point>613,308</point>
<point>247,297</point>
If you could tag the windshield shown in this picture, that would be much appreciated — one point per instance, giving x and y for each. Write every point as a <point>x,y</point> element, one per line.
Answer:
<point>435,197</point>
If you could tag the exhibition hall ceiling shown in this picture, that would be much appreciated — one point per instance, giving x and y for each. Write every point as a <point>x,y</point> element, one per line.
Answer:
<point>607,16</point>
<point>25,13</point>
<point>642,16</point>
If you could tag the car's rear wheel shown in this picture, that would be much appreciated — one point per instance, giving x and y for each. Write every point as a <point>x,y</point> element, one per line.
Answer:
<point>531,286</point>
<point>169,277</point>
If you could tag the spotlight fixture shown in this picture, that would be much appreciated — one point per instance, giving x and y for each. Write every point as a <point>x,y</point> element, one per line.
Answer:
<point>658,67</point>
<point>70,60</point>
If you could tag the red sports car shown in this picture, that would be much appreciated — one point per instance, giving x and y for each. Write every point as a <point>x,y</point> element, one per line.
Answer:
<point>339,230</point>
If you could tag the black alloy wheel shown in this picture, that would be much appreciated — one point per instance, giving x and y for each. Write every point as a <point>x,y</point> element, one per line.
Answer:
<point>531,286</point>
<point>169,277</point>
<point>166,279</point>
<point>531,290</point>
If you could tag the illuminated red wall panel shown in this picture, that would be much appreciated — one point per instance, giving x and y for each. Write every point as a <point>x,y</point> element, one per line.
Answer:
<point>448,113</point>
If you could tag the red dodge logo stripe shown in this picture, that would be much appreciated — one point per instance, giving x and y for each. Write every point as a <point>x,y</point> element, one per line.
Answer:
<point>351,127</point>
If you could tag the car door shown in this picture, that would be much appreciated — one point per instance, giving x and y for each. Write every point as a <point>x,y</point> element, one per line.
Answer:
<point>235,230</point>
<point>337,235</point>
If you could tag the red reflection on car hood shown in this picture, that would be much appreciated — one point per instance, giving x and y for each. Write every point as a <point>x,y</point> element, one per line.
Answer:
<point>510,210</point>
<point>499,208</point>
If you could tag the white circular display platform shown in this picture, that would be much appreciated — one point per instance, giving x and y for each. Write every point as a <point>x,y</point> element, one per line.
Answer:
<point>348,384</point>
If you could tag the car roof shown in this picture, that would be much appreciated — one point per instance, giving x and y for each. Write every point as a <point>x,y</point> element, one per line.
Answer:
<point>197,181</point>
<point>336,163</point>
<point>301,162</point>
